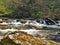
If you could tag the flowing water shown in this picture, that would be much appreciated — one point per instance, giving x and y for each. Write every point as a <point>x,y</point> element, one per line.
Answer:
<point>29,29</point>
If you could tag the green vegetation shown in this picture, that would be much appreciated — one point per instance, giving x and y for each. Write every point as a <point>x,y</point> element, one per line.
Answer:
<point>30,8</point>
<point>4,10</point>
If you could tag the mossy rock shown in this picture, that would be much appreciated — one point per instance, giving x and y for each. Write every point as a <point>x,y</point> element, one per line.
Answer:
<point>7,41</point>
<point>22,38</point>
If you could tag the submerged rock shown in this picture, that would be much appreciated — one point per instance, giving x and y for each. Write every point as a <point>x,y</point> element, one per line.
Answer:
<point>22,38</point>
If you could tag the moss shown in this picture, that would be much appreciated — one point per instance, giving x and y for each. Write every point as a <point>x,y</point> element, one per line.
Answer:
<point>7,41</point>
<point>22,38</point>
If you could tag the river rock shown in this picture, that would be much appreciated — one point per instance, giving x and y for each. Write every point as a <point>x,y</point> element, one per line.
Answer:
<point>22,38</point>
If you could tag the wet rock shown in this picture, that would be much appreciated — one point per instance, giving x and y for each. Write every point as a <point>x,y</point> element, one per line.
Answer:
<point>23,21</point>
<point>1,20</point>
<point>3,26</point>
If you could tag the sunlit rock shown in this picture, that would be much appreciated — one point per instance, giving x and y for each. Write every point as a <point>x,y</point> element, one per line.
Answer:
<point>22,38</point>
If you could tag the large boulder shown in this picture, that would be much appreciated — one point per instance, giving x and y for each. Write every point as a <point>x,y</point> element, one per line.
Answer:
<point>22,38</point>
